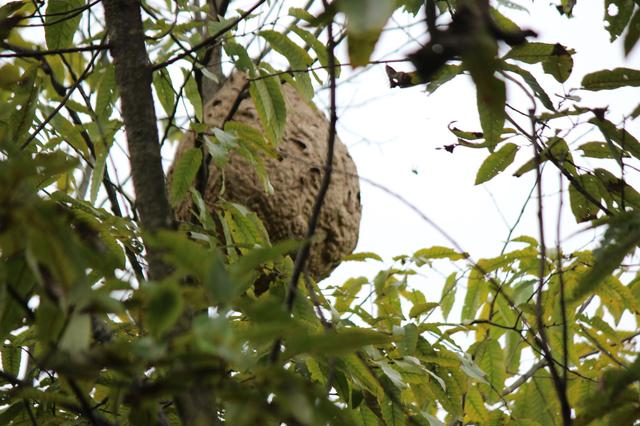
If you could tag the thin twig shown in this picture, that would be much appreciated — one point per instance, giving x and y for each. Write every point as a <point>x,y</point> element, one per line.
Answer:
<point>563,304</point>
<point>20,52</point>
<point>559,385</point>
<point>523,379</point>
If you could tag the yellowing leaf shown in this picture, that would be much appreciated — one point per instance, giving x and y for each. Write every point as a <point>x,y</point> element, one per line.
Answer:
<point>437,252</point>
<point>346,294</point>
<point>421,308</point>
<point>490,359</point>
<point>362,256</point>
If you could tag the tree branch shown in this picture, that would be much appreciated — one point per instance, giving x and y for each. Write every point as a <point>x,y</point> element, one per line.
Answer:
<point>559,384</point>
<point>21,52</point>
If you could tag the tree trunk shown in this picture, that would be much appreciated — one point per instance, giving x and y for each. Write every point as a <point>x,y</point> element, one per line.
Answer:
<point>133,77</point>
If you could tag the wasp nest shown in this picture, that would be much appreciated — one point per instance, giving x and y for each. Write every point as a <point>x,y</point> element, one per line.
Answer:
<point>295,176</point>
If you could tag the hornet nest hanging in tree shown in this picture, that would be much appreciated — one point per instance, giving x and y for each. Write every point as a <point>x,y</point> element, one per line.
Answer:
<point>295,176</point>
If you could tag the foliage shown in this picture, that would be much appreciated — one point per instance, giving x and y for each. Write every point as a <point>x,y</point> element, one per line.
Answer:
<point>89,338</point>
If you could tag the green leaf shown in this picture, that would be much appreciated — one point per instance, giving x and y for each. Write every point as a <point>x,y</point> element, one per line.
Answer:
<point>164,90</point>
<point>422,308</point>
<point>475,407</point>
<point>496,163</point>
<point>620,239</point>
<point>559,64</point>
<point>245,269</point>
<point>9,414</point>
<point>502,22</point>
<point>23,107</point>
<point>61,22</point>
<point>546,116</point>
<point>366,417</point>
<point>582,208</point>
<point>490,359</point>
<point>77,334</point>
<point>620,136</point>
<point>342,341</point>
<point>218,282</point>
<point>267,96</point>
<point>555,58</point>
<point>70,133</point>
<point>98,174</point>
<point>611,79</point>
<point>567,7</point>
<point>528,78</point>
<point>392,413</point>
<point>249,136</point>
<point>302,15</point>
<point>442,75</point>
<point>184,173</point>
<point>472,370</point>
<point>298,58</point>
<point>422,256</point>
<point>448,295</point>
<point>466,135</point>
<point>239,55</point>
<point>633,33</point>
<point>186,255</point>
<point>556,149</point>
<point>164,307</point>
<point>491,99</point>
<point>11,356</point>
<point>365,21</point>
<point>600,150</point>
<point>193,94</point>
<point>617,14</point>
<point>315,44</point>
<point>9,75</point>
<point>477,290</point>
<point>244,226</point>
<point>362,256</point>
<point>361,372</point>
<point>347,293</point>
<point>392,374</point>
<point>106,93</point>
<point>531,53</point>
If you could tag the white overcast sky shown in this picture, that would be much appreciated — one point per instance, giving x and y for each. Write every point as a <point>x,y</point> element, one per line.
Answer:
<point>393,136</point>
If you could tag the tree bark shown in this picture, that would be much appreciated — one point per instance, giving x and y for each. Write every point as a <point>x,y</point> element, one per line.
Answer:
<point>134,76</point>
